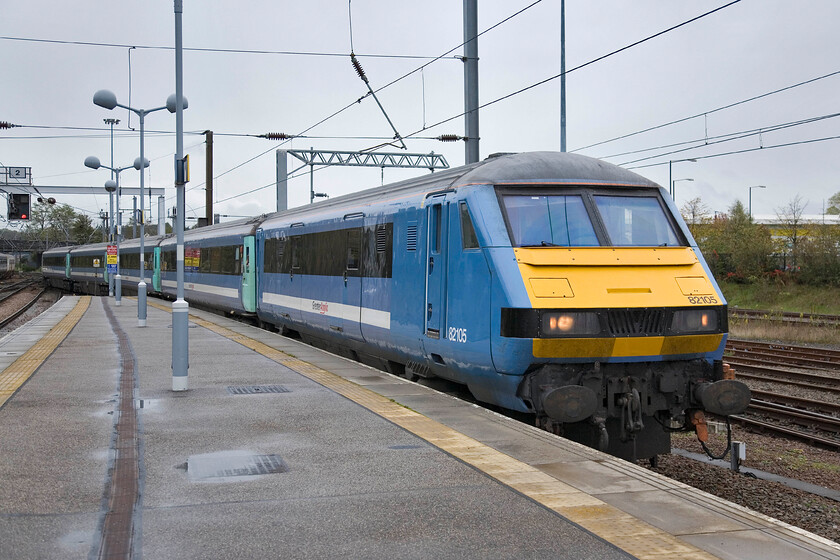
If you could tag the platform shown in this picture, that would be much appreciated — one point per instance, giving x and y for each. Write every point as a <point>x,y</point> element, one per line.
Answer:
<point>280,450</point>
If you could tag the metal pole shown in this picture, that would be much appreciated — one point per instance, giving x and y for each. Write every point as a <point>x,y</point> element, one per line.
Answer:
<point>282,180</point>
<point>161,215</point>
<point>134,216</point>
<point>180,307</point>
<point>141,286</point>
<point>670,180</point>
<point>471,79</point>
<point>562,75</point>
<point>208,177</point>
<point>117,231</point>
<point>111,122</point>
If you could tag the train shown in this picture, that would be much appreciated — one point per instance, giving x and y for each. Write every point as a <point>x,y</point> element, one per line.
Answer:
<point>550,284</point>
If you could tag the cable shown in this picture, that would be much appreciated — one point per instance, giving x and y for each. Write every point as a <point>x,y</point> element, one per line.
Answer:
<point>211,50</point>
<point>748,150</point>
<point>710,112</point>
<point>585,64</point>
<point>729,138</point>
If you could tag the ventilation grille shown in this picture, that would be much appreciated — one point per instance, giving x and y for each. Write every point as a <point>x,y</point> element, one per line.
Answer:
<point>629,322</point>
<point>411,238</point>
<point>382,239</point>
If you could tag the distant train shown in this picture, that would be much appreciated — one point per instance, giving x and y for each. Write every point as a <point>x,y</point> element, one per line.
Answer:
<point>547,283</point>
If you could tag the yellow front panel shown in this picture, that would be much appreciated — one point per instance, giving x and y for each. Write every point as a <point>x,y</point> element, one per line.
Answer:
<point>609,277</point>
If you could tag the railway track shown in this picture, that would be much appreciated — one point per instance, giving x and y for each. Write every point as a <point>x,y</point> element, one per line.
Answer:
<point>818,370</point>
<point>785,316</point>
<point>4,295</point>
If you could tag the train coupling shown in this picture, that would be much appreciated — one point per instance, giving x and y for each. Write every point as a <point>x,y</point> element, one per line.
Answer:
<point>724,398</point>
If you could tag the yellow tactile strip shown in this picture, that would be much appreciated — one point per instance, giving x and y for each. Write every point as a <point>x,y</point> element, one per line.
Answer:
<point>635,537</point>
<point>14,376</point>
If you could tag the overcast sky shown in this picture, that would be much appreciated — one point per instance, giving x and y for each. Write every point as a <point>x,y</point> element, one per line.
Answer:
<point>745,50</point>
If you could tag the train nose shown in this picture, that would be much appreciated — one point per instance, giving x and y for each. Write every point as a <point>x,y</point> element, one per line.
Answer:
<point>724,397</point>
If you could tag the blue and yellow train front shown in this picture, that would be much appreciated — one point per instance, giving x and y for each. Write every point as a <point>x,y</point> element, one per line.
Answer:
<point>620,322</point>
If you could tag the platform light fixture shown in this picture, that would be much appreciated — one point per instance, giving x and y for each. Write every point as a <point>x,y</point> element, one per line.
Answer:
<point>108,100</point>
<point>113,186</point>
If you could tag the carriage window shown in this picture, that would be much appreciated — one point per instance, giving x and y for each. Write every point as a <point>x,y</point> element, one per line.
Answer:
<point>296,252</point>
<point>468,237</point>
<point>354,248</point>
<point>636,221</point>
<point>435,228</point>
<point>548,221</point>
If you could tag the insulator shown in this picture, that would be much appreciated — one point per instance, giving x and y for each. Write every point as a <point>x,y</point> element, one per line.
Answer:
<point>276,136</point>
<point>449,138</point>
<point>357,65</point>
<point>4,124</point>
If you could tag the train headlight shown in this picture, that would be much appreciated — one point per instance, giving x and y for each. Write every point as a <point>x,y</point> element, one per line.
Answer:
<point>695,321</point>
<point>569,323</point>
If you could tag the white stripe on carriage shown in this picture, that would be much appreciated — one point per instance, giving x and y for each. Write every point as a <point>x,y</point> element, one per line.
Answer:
<point>364,315</point>
<point>204,288</point>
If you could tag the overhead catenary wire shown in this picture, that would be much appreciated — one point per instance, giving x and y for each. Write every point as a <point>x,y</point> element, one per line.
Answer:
<point>703,142</point>
<point>216,50</point>
<point>585,64</point>
<point>709,112</point>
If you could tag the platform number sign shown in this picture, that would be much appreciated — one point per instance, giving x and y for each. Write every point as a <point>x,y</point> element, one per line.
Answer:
<point>18,206</point>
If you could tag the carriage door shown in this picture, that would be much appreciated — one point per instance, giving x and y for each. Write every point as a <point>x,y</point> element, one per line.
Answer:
<point>436,264</point>
<point>248,267</point>
<point>351,308</point>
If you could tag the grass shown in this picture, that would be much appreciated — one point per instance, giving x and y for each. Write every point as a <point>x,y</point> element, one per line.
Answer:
<point>776,296</point>
<point>781,297</point>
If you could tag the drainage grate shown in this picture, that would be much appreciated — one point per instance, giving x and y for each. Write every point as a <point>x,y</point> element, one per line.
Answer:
<point>227,464</point>
<point>256,389</point>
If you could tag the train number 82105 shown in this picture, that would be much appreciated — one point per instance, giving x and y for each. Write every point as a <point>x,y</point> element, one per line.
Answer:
<point>702,300</point>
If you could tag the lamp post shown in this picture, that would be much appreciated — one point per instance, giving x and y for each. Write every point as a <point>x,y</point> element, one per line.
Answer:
<point>111,186</point>
<point>674,188</point>
<point>671,175</point>
<point>108,100</point>
<point>111,226</point>
<point>751,188</point>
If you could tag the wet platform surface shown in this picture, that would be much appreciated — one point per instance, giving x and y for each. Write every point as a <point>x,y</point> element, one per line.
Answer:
<point>280,450</point>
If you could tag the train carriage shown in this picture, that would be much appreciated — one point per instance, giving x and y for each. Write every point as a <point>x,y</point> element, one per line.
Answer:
<point>55,268</point>
<point>219,266</point>
<point>129,267</point>
<point>88,270</point>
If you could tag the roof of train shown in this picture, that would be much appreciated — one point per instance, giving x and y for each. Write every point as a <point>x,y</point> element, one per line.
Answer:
<point>527,168</point>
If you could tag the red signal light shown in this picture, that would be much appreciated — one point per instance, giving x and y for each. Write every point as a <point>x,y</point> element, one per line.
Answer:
<point>24,217</point>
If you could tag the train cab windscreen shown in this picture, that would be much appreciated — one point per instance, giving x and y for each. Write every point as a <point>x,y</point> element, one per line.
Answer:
<point>549,221</point>
<point>634,221</point>
<point>567,221</point>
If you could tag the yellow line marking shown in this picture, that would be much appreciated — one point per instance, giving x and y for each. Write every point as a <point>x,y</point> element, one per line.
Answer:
<point>640,539</point>
<point>14,376</point>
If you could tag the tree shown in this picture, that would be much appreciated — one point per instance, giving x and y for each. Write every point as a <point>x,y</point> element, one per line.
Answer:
<point>820,255</point>
<point>695,212</point>
<point>736,247</point>
<point>82,229</point>
<point>790,221</point>
<point>833,204</point>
